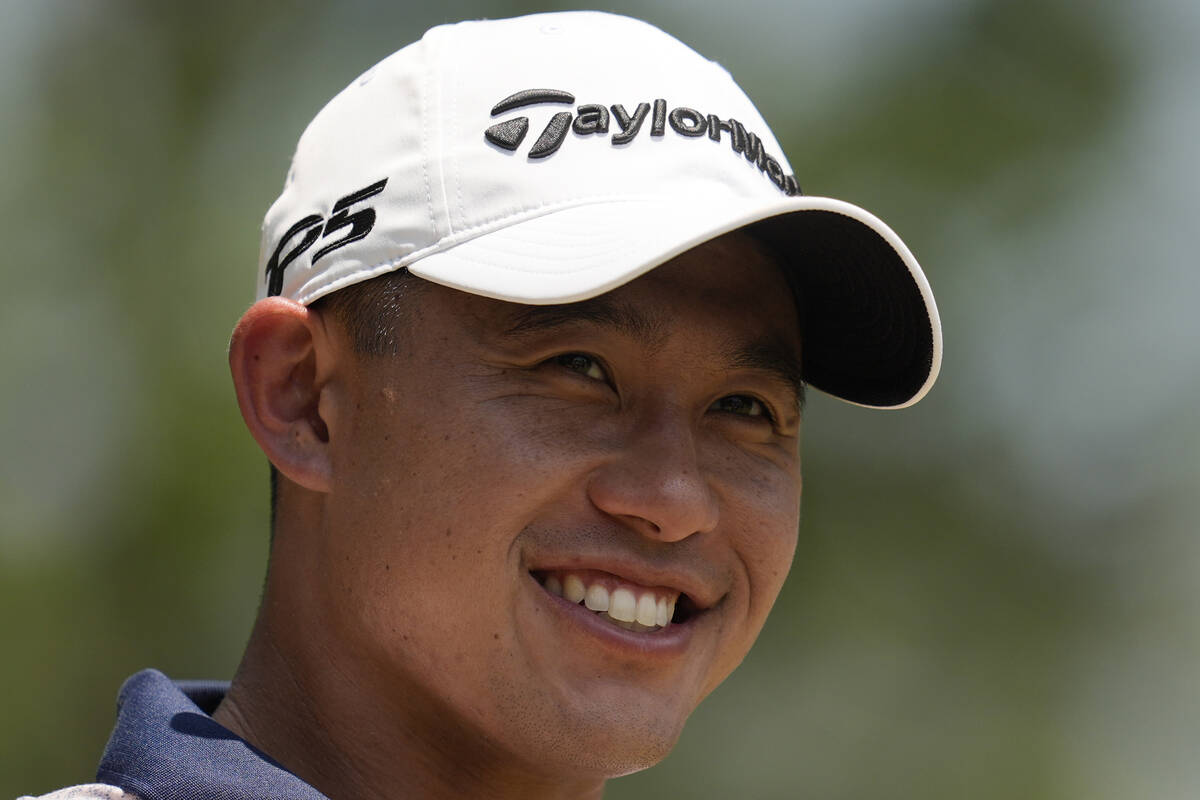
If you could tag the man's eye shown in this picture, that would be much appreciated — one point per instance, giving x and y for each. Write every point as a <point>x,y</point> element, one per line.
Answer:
<point>584,365</point>
<point>741,404</point>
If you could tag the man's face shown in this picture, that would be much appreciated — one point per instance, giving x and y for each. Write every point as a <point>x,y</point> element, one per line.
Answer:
<point>641,448</point>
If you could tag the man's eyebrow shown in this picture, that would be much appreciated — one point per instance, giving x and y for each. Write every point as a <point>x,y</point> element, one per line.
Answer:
<point>774,357</point>
<point>624,319</point>
<point>769,354</point>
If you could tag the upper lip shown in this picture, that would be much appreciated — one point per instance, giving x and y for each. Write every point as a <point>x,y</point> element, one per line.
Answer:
<point>700,585</point>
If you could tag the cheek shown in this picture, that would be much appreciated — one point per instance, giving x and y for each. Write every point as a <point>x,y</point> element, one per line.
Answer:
<point>764,553</point>
<point>763,508</point>
<point>431,503</point>
<point>446,458</point>
<point>760,519</point>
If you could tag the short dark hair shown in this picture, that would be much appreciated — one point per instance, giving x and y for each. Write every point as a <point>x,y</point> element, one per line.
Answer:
<point>371,313</point>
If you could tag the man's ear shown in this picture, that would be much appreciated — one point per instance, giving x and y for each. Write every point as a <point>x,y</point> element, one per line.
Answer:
<point>279,355</point>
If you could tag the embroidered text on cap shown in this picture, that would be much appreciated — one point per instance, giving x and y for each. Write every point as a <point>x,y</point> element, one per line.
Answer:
<point>593,118</point>
<point>360,223</point>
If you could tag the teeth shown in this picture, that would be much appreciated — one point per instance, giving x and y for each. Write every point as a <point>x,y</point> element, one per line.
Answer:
<point>596,598</point>
<point>623,606</point>
<point>647,610</point>
<point>634,626</point>
<point>573,589</point>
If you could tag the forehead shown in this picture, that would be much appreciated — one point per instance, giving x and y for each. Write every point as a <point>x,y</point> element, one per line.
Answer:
<point>726,299</point>
<point>720,279</point>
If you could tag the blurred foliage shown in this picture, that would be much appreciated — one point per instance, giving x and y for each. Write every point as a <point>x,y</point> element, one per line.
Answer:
<point>987,601</point>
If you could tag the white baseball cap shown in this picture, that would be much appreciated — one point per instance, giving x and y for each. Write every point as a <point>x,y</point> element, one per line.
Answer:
<point>553,157</point>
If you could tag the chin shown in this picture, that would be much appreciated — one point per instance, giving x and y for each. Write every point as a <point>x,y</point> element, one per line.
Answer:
<point>618,749</point>
<point>640,761</point>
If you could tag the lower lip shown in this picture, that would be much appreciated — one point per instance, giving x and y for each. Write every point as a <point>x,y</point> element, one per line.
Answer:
<point>666,642</point>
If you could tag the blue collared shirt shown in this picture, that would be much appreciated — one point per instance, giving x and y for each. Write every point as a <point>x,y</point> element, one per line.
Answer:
<point>165,746</point>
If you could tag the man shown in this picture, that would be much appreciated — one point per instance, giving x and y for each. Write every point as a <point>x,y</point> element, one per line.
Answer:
<point>536,311</point>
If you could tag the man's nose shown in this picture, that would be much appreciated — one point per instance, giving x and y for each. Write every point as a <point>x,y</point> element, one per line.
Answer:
<point>655,484</point>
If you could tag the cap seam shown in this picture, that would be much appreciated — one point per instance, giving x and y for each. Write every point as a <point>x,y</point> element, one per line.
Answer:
<point>425,139</point>
<point>482,227</point>
<point>438,139</point>
<point>452,158</point>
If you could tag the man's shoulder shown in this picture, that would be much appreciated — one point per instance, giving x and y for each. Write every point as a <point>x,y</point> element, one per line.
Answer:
<point>89,791</point>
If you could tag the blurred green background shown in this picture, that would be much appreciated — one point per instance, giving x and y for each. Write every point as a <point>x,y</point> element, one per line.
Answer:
<point>996,593</point>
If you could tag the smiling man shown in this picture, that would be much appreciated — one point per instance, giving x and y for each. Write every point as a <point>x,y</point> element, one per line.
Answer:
<point>537,309</point>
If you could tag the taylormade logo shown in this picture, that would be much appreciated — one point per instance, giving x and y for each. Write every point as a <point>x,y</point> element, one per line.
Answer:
<point>594,119</point>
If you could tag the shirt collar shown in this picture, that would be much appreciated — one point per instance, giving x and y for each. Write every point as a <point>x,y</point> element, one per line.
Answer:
<point>165,746</point>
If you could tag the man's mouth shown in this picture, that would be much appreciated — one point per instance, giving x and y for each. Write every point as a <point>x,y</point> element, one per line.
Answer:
<point>627,605</point>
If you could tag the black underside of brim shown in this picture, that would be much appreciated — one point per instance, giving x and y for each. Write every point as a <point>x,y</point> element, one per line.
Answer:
<point>867,335</point>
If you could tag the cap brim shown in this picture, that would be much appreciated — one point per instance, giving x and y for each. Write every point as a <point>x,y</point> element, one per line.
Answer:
<point>872,335</point>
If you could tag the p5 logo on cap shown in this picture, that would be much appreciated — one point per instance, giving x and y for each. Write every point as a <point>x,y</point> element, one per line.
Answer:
<point>360,224</point>
<point>592,118</point>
